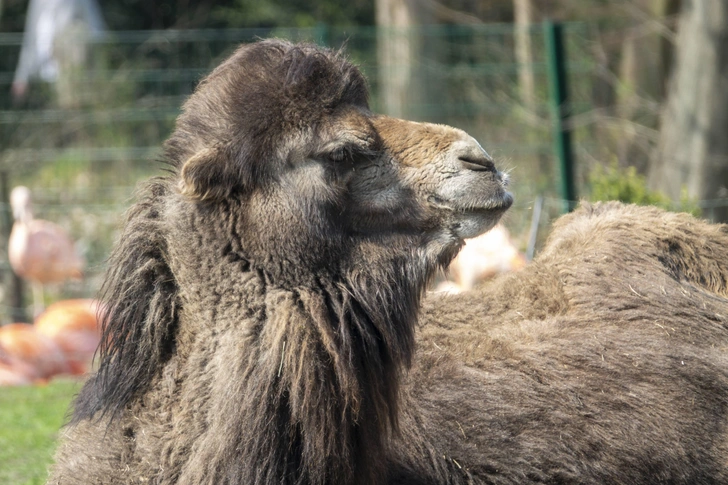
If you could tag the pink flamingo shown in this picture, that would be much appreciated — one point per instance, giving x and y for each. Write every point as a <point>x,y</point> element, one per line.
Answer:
<point>40,252</point>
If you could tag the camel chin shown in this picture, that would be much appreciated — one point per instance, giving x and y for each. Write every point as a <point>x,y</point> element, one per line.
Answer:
<point>474,223</point>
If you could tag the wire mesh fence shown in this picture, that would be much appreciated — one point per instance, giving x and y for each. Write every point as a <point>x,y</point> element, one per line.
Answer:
<point>83,142</point>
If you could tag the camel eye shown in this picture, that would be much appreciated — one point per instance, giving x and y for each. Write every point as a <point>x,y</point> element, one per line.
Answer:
<point>346,155</point>
<point>339,154</point>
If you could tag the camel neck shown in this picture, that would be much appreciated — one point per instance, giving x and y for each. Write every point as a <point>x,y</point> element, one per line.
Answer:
<point>326,378</point>
<point>320,379</point>
<point>316,366</point>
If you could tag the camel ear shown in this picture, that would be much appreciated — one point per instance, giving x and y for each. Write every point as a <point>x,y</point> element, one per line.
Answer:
<point>206,175</point>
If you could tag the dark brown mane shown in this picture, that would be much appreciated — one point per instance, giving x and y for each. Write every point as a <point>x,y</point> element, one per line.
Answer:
<point>139,327</point>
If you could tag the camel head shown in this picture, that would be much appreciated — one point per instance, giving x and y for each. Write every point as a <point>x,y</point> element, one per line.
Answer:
<point>284,133</point>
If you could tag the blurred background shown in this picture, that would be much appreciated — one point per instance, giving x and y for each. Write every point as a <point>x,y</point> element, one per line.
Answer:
<point>89,90</point>
<point>577,99</point>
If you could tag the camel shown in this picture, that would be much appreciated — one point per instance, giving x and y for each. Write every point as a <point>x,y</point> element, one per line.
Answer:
<point>266,323</point>
<point>602,361</point>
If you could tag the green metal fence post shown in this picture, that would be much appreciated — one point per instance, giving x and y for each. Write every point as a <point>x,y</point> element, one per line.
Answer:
<point>560,111</point>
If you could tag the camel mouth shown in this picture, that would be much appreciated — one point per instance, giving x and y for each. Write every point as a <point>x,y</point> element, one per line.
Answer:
<point>470,192</point>
<point>502,203</point>
<point>496,204</point>
<point>468,219</point>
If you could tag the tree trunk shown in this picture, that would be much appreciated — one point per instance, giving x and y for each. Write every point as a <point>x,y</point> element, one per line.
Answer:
<point>523,13</point>
<point>692,152</point>
<point>666,10</point>
<point>643,73</point>
<point>399,52</point>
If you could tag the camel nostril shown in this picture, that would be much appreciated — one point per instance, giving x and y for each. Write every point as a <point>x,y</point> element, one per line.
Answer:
<point>478,164</point>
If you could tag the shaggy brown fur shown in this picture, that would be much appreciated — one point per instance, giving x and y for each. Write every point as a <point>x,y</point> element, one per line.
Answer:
<point>603,361</point>
<point>263,302</point>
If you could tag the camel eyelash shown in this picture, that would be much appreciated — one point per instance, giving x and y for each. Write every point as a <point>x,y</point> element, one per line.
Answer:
<point>339,154</point>
<point>348,154</point>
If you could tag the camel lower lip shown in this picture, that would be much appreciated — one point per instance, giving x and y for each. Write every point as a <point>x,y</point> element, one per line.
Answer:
<point>496,204</point>
<point>501,204</point>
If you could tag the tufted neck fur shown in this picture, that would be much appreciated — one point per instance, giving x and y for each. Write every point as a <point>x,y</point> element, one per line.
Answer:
<point>319,371</point>
<point>314,377</point>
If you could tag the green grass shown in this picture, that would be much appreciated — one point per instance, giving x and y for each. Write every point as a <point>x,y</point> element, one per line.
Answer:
<point>30,418</point>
